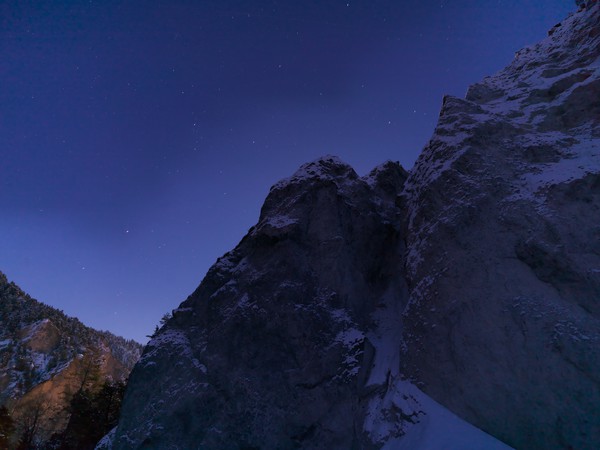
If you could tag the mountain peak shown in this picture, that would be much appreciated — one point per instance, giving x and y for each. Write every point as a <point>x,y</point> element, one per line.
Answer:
<point>328,167</point>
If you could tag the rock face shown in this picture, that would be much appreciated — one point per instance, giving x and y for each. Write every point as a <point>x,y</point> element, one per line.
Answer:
<point>269,352</point>
<point>503,205</point>
<point>293,339</point>
<point>476,276</point>
<point>46,356</point>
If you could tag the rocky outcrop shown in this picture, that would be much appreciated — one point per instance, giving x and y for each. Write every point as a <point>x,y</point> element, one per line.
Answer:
<point>293,339</point>
<point>476,276</point>
<point>270,350</point>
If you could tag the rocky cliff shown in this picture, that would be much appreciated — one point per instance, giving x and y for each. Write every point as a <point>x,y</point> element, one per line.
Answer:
<point>503,262</point>
<point>475,277</point>
<point>45,357</point>
<point>269,351</point>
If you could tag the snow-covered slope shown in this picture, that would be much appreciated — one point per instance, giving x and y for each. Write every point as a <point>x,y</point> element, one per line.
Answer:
<point>437,428</point>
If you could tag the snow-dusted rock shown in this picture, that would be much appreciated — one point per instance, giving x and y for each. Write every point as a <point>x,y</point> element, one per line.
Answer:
<point>293,339</point>
<point>354,302</point>
<point>272,351</point>
<point>503,322</point>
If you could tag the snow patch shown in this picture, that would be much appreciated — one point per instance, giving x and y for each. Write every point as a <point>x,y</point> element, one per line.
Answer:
<point>106,443</point>
<point>279,221</point>
<point>386,339</point>
<point>407,419</point>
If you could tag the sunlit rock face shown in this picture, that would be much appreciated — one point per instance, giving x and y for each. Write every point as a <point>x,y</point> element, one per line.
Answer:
<point>46,357</point>
<point>503,237</point>
<point>475,277</point>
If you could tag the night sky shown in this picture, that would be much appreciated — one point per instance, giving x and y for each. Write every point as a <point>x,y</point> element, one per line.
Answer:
<point>139,139</point>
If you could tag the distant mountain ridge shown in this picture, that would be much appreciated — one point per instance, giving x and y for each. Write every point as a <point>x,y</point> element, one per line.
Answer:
<point>46,356</point>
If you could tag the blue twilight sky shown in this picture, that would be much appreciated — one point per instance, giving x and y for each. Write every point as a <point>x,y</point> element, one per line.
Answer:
<point>139,139</point>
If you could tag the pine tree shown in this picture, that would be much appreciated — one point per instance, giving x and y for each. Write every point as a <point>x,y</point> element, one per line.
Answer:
<point>94,412</point>
<point>7,427</point>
